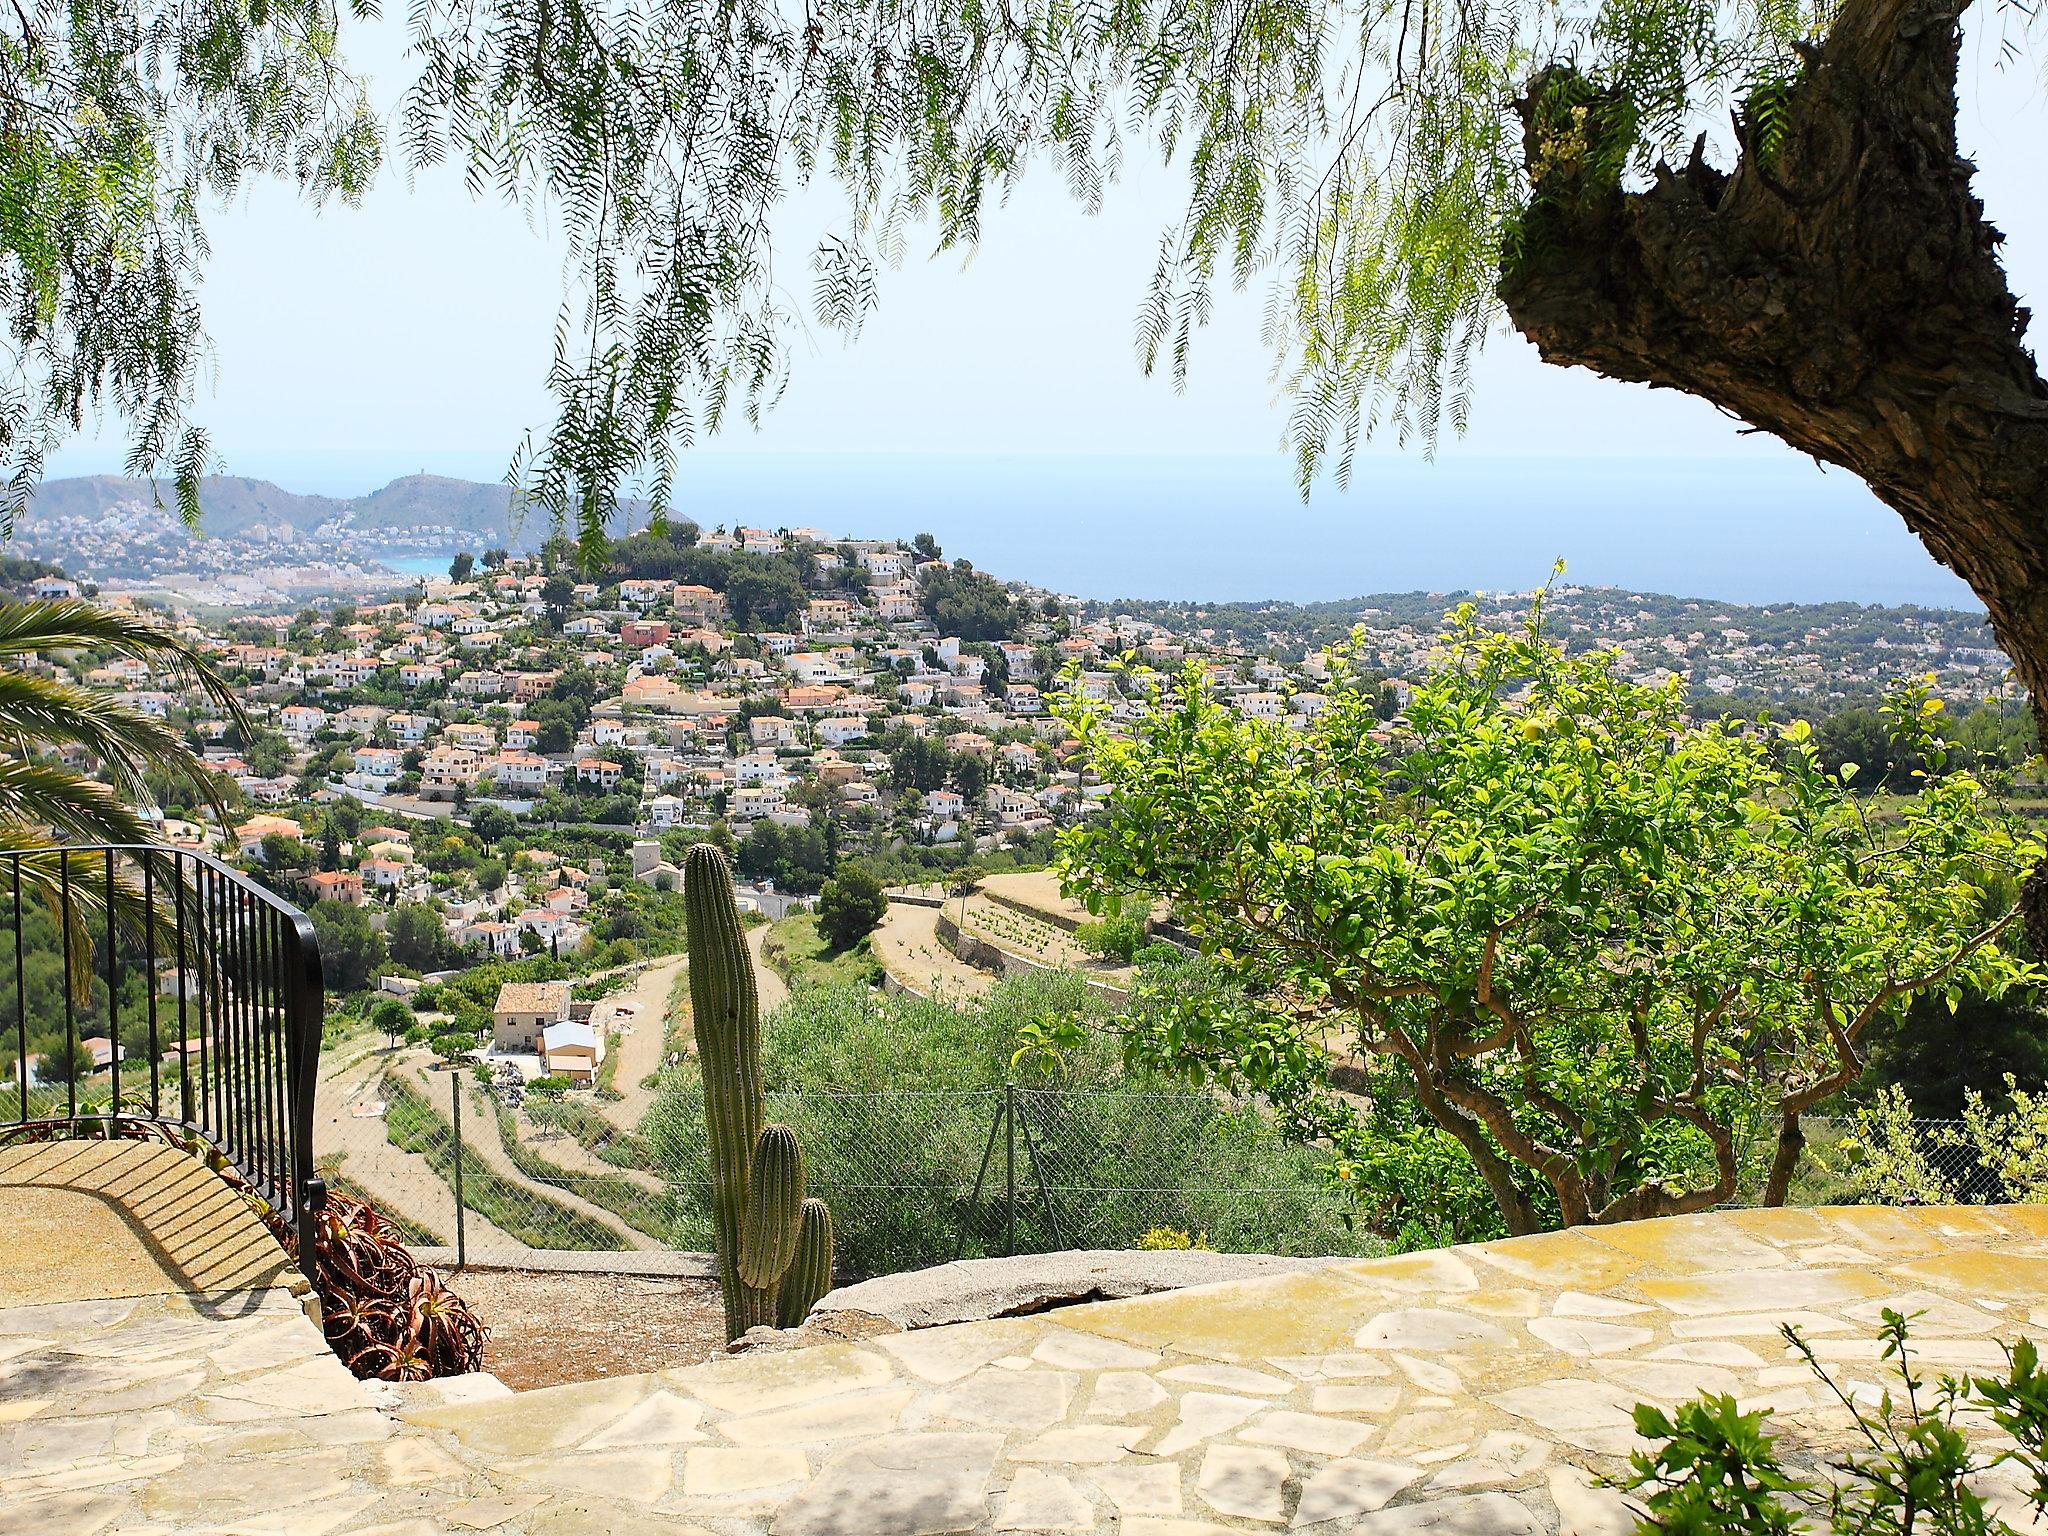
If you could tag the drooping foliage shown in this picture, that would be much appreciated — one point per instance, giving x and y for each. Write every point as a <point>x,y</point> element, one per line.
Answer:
<point>119,123</point>
<point>1366,157</point>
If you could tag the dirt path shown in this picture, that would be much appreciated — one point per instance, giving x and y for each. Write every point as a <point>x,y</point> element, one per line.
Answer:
<point>571,1156</point>
<point>769,986</point>
<point>480,1143</point>
<point>908,946</point>
<point>640,1043</point>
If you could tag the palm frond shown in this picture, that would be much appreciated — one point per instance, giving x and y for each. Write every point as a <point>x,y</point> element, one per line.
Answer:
<point>77,886</point>
<point>38,711</point>
<point>31,627</point>
<point>36,796</point>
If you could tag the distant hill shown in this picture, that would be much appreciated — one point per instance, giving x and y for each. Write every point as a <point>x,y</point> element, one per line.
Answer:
<point>228,504</point>
<point>424,501</point>
<point>478,515</point>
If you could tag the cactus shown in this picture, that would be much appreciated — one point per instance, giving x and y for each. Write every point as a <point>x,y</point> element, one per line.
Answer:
<point>773,1243</point>
<point>810,1272</point>
<point>775,1199</point>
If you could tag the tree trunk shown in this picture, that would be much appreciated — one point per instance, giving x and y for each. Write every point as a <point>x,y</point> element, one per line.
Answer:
<point>1839,288</point>
<point>1785,1162</point>
<point>1517,1211</point>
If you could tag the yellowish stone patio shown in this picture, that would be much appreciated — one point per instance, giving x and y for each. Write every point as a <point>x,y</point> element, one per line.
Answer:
<point>1472,1390</point>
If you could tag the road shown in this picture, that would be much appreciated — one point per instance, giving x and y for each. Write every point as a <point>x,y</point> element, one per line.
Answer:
<point>641,1046</point>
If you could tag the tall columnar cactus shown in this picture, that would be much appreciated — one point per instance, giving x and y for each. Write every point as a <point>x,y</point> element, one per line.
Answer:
<point>774,1244</point>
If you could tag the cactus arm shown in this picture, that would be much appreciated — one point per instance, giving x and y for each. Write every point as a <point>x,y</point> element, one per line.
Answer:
<point>775,1198</point>
<point>809,1275</point>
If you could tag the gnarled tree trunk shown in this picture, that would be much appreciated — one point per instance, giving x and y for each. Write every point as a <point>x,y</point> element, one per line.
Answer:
<point>1842,291</point>
<point>1839,288</point>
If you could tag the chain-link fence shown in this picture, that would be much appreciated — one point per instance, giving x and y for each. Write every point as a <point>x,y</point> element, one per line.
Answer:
<point>495,1174</point>
<point>1940,1160</point>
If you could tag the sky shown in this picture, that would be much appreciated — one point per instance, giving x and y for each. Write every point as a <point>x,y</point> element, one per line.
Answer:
<point>352,345</point>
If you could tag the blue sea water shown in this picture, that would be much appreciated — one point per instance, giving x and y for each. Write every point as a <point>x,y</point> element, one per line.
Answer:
<point>417,565</point>
<point>1233,528</point>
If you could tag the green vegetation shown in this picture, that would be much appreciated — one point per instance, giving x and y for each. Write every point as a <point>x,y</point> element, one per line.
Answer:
<point>1590,952</point>
<point>413,1125</point>
<point>650,1211</point>
<point>774,1242</point>
<point>847,1039</point>
<point>895,1097</point>
<point>351,951</point>
<point>1116,936</point>
<point>800,953</point>
<point>851,906</point>
<point>1910,1467</point>
<point>959,600</point>
<point>1996,1150</point>
<point>761,591</point>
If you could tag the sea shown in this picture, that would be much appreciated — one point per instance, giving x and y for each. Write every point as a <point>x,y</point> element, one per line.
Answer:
<point>1233,528</point>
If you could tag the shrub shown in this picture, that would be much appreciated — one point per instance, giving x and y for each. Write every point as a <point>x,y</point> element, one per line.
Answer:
<point>1117,937</point>
<point>1913,1469</point>
<point>851,906</point>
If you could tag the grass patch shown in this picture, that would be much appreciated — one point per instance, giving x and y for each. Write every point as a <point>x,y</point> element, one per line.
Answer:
<point>413,1126</point>
<point>599,1137</point>
<point>801,956</point>
<point>650,1211</point>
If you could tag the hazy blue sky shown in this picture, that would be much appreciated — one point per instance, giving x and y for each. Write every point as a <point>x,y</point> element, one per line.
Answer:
<point>351,345</point>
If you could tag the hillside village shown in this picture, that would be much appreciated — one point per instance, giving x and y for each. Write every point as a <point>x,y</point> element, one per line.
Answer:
<point>826,696</point>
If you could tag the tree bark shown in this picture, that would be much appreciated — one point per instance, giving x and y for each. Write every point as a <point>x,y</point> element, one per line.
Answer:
<point>1785,1161</point>
<point>1517,1211</point>
<point>1839,288</point>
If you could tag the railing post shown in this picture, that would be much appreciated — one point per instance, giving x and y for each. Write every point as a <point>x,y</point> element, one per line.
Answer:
<point>455,1118</point>
<point>304,999</point>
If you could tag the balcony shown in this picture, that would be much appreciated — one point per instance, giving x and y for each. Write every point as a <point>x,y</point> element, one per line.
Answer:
<point>190,1019</point>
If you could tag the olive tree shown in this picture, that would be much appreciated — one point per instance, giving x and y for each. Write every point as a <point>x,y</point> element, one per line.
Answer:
<point>1597,944</point>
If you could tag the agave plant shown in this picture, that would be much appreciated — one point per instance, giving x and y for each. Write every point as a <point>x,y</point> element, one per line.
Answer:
<point>384,1315</point>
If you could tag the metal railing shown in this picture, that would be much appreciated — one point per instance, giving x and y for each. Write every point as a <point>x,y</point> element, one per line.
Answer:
<point>220,1048</point>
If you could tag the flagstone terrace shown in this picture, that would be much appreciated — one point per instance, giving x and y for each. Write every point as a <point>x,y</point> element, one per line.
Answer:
<point>1472,1390</point>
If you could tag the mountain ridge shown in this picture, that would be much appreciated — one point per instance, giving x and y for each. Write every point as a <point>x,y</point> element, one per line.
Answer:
<point>477,513</point>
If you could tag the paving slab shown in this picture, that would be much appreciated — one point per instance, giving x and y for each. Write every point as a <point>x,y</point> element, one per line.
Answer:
<point>1484,1389</point>
<point>92,1219</point>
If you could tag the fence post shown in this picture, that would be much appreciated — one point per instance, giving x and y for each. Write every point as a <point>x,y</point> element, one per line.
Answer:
<point>455,1100</point>
<point>1009,1170</point>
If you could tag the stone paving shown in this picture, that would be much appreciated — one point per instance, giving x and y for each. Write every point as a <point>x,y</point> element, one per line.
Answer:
<point>1457,1393</point>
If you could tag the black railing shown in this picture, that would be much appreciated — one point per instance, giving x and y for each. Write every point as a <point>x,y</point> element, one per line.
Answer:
<point>189,1003</point>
